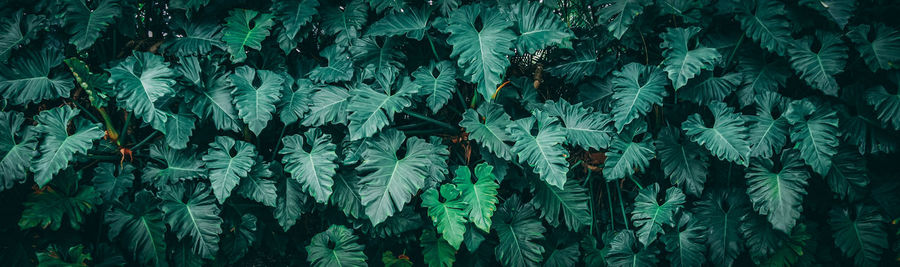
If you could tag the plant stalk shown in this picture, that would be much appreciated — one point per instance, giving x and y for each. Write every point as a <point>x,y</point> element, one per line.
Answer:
<point>436,57</point>
<point>622,206</point>
<point>425,118</point>
<point>146,139</point>
<point>278,142</point>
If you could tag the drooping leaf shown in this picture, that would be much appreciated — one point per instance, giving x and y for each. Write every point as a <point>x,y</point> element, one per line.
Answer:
<point>637,89</point>
<point>59,147</point>
<point>62,198</point>
<point>436,251</point>
<point>764,22</point>
<point>256,187</point>
<point>683,63</point>
<point>391,181</point>
<point>199,39</point>
<point>518,228</point>
<point>18,143</point>
<point>848,176</point>
<point>761,238</point>
<point>544,151</point>
<point>726,139</point>
<point>818,68</point>
<point>793,250</point>
<point>111,184</point>
<point>480,195</point>
<point>86,22</point>
<point>481,51</point>
<point>583,126</point>
<point>839,11</point>
<point>245,28</point>
<point>687,244</point>
<point>18,30</point>
<point>256,92</point>
<point>346,194</point>
<point>211,98</point>
<point>859,233</point>
<point>336,246</point>
<point>74,256</point>
<point>293,15</point>
<point>628,154</point>
<point>759,76</point>
<point>449,216</point>
<point>683,161</point>
<point>708,87</point>
<point>778,193</point>
<point>34,77</point>
<point>814,131</point>
<point>584,63</point>
<point>140,226</point>
<point>492,132</point>
<point>290,201</point>
<point>887,105</point>
<point>438,88</point>
<point>314,169</point>
<point>539,27</point>
<point>720,211</point>
<point>625,250</point>
<point>371,110</point>
<point>379,55</point>
<point>226,168</point>
<point>344,22</point>
<point>882,52</point>
<point>649,215</point>
<point>618,15</point>
<point>193,212</point>
<point>412,23</point>
<point>571,202</point>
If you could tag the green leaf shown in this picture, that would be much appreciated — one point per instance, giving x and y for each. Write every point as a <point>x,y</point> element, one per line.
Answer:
<point>793,250</point>
<point>170,166</point>
<point>438,88</point>
<point>683,63</point>
<point>887,105</point>
<point>637,89</point>
<point>192,211</point>
<point>18,143</point>
<point>110,185</point>
<point>571,201</point>
<point>519,229</point>
<point>244,27</point>
<point>583,126</point>
<point>226,168</point>
<point>882,52</point>
<point>682,161</point>
<point>759,76</point>
<point>720,211</point>
<point>290,202</point>
<point>86,22</point>
<point>584,63</point>
<point>624,250</point>
<point>618,15</point>
<point>314,169</point>
<point>389,260</point>
<point>346,194</point>
<point>413,23</point>
<point>371,110</point>
<point>761,238</point>
<point>649,215</point>
<point>293,15</point>
<point>492,132</point>
<point>328,104</point>
<point>295,99</point>
<point>708,87</point>
<point>818,68</point>
<point>687,243</point>
<point>46,208</point>
<point>58,147</point>
<point>848,176</point>
<point>139,225</point>
<point>142,83</point>
<point>544,151</point>
<point>344,22</point>
<point>436,251</point>
<point>539,27</point>
<point>814,130</point>
<point>726,139</point>
<point>449,216</point>
<point>481,52</point>
<point>768,128</point>
<point>256,92</point>
<point>211,98</point>
<point>336,246</point>
<point>382,56</point>
<point>765,22</point>
<point>392,181</point>
<point>74,256</point>
<point>339,68</point>
<point>256,187</point>
<point>18,30</point>
<point>859,233</point>
<point>839,11</point>
<point>198,39</point>
<point>627,155</point>
<point>34,77</point>
<point>480,195</point>
<point>778,193</point>
<point>178,130</point>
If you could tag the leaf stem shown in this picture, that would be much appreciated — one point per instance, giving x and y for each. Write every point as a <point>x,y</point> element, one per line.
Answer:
<point>612,213</point>
<point>425,118</point>
<point>636,182</point>
<point>146,139</point>
<point>278,142</point>
<point>591,203</point>
<point>622,206</point>
<point>734,51</point>
<point>436,57</point>
<point>86,111</point>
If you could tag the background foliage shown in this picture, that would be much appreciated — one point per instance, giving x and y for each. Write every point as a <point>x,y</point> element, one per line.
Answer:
<point>397,133</point>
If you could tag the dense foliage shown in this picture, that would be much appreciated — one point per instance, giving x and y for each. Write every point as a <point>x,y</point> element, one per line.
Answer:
<point>450,132</point>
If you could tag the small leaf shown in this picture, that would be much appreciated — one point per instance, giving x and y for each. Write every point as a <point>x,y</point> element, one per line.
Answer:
<point>314,169</point>
<point>683,63</point>
<point>480,196</point>
<point>492,132</point>
<point>226,168</point>
<point>544,151</point>
<point>255,103</point>
<point>726,139</point>
<point>336,246</point>
<point>193,212</point>
<point>637,89</point>
<point>245,28</point>
<point>649,215</point>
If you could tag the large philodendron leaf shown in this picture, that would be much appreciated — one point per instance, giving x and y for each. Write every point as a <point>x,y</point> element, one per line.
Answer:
<point>18,143</point>
<point>436,251</point>
<point>627,154</point>
<point>111,184</point>
<point>328,105</point>
<point>859,233</point>
<point>244,27</point>
<point>339,68</point>
<point>371,109</point>
<point>683,63</point>
<point>192,211</point>
<point>768,128</point>
<point>392,181</point>
<point>344,22</point>
<point>721,211</point>
<point>544,151</point>
<point>887,105</point>
<point>684,162</point>
<point>479,195</point>
<point>412,23</point>
<point>814,130</point>
<point>139,225</point>
<point>314,169</point>
<point>142,82</point>
<point>58,147</point>
<point>256,187</point>
<point>539,27</point>
<point>33,77</point>
<point>583,126</point>
<point>778,193</point>
<point>618,15</point>
<point>818,68</point>
<point>290,201</point>
<point>18,30</point>
<point>256,92</point>
<point>438,88</point>
<point>86,22</point>
<point>571,201</point>
<point>709,87</point>
<point>882,52</point>
<point>336,246</point>
<point>848,177</point>
<point>199,38</point>
<point>169,166</point>
<point>295,99</point>
<point>492,132</point>
<point>759,75</point>
<point>839,11</point>
<point>765,23</point>
<point>381,56</point>
<point>211,98</point>
<point>449,215</point>
<point>637,89</point>
<point>625,250</point>
<point>687,243</point>
<point>481,52</point>
<point>583,63</point>
<point>649,215</point>
<point>226,168</point>
<point>726,139</point>
<point>62,198</point>
<point>519,229</point>
<point>293,15</point>
<point>346,194</point>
